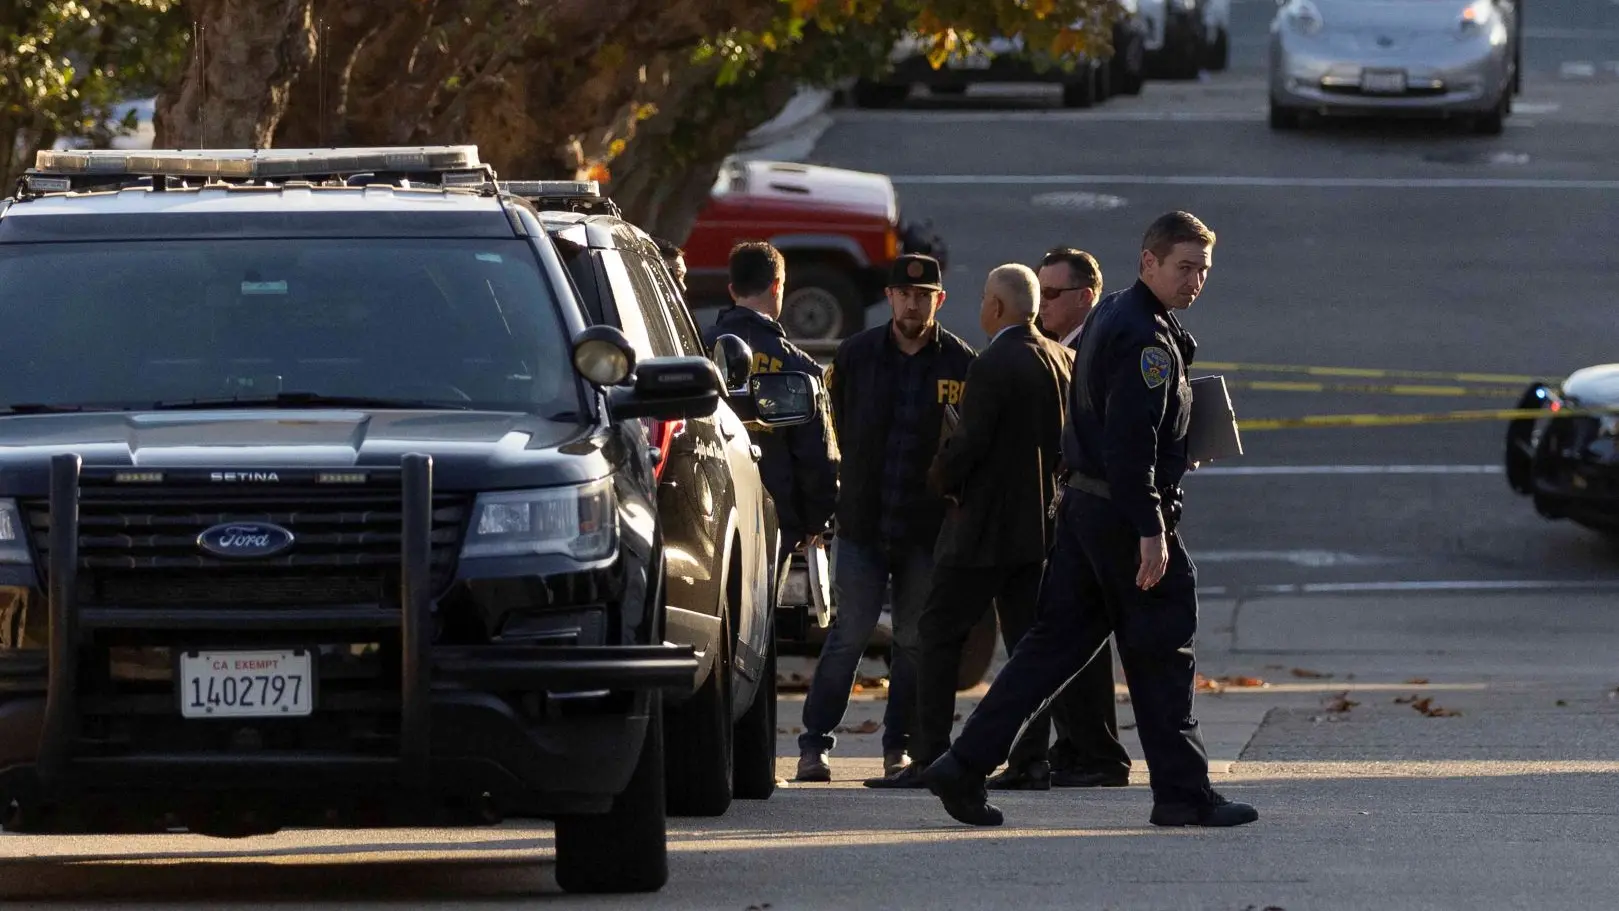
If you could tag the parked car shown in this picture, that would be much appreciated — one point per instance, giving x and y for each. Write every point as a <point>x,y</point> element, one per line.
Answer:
<point>839,229</point>
<point>1568,464</point>
<point>1455,59</point>
<point>1005,58</point>
<point>1216,34</point>
<point>1176,38</point>
<point>720,528</point>
<point>325,503</point>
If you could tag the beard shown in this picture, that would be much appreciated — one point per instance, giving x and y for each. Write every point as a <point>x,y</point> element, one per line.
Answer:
<point>912,328</point>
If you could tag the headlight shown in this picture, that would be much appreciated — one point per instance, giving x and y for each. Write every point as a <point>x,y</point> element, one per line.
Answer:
<point>576,521</point>
<point>13,539</point>
<point>1303,17</point>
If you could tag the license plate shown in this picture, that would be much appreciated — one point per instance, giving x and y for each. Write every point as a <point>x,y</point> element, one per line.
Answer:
<point>1382,82</point>
<point>262,684</point>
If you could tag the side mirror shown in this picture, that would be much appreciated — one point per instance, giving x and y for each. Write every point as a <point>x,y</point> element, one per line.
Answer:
<point>735,359</point>
<point>602,354</point>
<point>783,399</point>
<point>669,389</point>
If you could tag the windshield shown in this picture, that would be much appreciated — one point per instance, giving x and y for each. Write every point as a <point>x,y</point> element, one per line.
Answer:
<point>137,324</point>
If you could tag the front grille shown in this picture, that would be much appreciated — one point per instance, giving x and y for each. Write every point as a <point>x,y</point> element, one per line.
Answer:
<point>138,546</point>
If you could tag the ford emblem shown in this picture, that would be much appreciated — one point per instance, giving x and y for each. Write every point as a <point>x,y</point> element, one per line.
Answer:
<point>245,540</point>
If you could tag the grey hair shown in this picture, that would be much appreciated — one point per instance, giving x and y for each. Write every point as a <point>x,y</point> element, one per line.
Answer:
<point>1018,286</point>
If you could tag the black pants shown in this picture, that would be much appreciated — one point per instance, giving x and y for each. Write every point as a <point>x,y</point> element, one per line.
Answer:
<point>1086,717</point>
<point>1088,592</point>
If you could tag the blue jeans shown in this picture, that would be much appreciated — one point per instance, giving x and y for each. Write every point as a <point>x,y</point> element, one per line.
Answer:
<point>860,582</point>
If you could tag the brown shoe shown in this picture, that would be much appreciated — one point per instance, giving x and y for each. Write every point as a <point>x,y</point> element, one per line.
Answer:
<point>895,761</point>
<point>813,766</point>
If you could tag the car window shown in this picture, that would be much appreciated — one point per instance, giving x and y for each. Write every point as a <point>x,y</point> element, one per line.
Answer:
<point>673,305</point>
<point>636,301</point>
<point>125,324</point>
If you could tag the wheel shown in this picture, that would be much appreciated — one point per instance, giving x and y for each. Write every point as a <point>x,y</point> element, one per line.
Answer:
<point>1105,88</point>
<point>1081,91</point>
<point>754,754</point>
<point>977,654</point>
<point>822,302</point>
<point>1283,118</point>
<point>698,761</point>
<point>625,849</point>
<point>1494,123</point>
<point>1219,55</point>
<point>868,94</point>
<point>1130,68</point>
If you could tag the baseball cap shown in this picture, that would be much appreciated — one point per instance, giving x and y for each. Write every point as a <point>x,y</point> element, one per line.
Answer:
<point>915,270</point>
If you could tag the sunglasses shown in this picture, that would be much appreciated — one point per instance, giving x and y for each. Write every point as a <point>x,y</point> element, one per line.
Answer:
<point>1052,294</point>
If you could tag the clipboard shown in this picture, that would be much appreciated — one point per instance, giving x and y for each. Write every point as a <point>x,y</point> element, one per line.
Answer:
<point>818,567</point>
<point>1213,432</point>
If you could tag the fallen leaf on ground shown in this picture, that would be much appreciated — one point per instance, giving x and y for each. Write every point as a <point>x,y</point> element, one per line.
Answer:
<point>1425,706</point>
<point>1562,702</point>
<point>865,727</point>
<point>1417,681</point>
<point>1405,700</point>
<point>1309,675</point>
<point>1341,702</point>
<point>1237,680</point>
<point>1206,685</point>
<point>873,682</point>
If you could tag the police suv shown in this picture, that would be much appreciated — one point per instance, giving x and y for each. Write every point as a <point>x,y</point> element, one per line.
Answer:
<point>324,503</point>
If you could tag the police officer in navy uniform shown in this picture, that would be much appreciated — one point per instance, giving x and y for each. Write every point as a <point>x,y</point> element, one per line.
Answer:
<point>799,464</point>
<point>889,386</point>
<point>1118,565</point>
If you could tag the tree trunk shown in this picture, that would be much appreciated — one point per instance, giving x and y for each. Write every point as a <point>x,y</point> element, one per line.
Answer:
<point>663,178</point>
<point>237,85</point>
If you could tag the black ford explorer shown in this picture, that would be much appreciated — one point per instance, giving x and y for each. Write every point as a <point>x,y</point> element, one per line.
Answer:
<point>321,504</point>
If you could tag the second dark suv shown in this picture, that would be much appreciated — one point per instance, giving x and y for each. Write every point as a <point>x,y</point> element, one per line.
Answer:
<point>720,524</point>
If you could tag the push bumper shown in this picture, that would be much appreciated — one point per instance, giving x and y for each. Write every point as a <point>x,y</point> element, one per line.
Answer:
<point>1308,77</point>
<point>470,734</point>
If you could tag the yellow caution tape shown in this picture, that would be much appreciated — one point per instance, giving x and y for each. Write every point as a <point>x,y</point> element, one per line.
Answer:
<point>1397,420</point>
<point>1368,373</point>
<point>1417,389</point>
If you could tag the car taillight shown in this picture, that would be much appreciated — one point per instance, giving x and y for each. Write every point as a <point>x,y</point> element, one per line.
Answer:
<point>891,244</point>
<point>662,436</point>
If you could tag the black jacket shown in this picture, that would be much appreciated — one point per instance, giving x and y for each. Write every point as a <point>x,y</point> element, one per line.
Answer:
<point>1001,462</point>
<point>862,392</point>
<point>798,464</point>
<point>1130,404</point>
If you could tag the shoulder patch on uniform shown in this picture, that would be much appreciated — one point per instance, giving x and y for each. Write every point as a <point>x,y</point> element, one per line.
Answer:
<point>1155,366</point>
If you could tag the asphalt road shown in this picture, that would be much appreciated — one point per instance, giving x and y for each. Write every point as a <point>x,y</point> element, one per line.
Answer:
<point>1509,805</point>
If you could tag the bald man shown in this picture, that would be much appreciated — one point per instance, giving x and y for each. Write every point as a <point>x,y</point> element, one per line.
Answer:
<point>999,469</point>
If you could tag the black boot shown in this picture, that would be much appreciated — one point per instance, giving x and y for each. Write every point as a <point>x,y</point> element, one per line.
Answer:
<point>962,792</point>
<point>1213,810</point>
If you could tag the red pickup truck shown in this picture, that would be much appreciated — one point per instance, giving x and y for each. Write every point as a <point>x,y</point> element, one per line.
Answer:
<point>839,229</point>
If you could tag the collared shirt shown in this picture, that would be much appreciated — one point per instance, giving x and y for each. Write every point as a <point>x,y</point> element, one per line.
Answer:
<point>904,463</point>
<point>1001,333</point>
<point>1072,338</point>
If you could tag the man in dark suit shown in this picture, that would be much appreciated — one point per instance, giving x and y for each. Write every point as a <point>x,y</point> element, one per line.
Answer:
<point>999,469</point>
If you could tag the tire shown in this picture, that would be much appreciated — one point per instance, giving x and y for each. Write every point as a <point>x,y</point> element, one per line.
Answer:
<point>754,753</point>
<point>1130,68</point>
<point>868,94</point>
<point>978,653</point>
<point>1282,118</point>
<point>1494,123</point>
<point>1219,56</point>
<point>699,754</point>
<point>1081,91</point>
<point>625,849</point>
<point>821,302</point>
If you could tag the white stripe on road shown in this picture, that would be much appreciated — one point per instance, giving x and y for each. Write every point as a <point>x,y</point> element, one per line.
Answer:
<point>1343,469</point>
<point>1313,558</point>
<point>1448,585</point>
<point>1572,34</point>
<point>1234,180</point>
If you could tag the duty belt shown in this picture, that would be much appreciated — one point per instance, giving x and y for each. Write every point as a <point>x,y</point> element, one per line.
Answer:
<point>1170,495</point>
<point>1089,485</point>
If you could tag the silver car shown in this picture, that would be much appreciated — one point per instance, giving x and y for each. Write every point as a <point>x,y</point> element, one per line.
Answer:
<point>1449,58</point>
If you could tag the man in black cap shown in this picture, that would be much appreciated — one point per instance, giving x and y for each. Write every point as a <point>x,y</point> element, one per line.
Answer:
<point>888,386</point>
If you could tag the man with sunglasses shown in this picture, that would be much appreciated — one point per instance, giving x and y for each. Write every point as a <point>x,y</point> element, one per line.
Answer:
<point>1087,752</point>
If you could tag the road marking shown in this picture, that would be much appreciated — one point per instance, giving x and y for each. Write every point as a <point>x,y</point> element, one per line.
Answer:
<point>1235,180</point>
<point>1405,420</point>
<point>1312,558</point>
<point>1369,372</point>
<point>1447,585</point>
<point>1049,115</point>
<point>1577,69</point>
<point>1537,107</point>
<point>1574,34</point>
<point>1423,390</point>
<point>1271,470</point>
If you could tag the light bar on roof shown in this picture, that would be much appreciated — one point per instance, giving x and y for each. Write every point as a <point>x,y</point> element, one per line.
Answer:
<point>267,163</point>
<point>552,188</point>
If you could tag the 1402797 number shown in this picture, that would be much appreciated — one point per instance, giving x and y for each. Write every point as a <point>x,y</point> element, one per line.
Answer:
<point>262,684</point>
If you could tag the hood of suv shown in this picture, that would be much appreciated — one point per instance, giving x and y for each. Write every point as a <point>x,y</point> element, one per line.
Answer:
<point>470,449</point>
<point>788,183</point>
